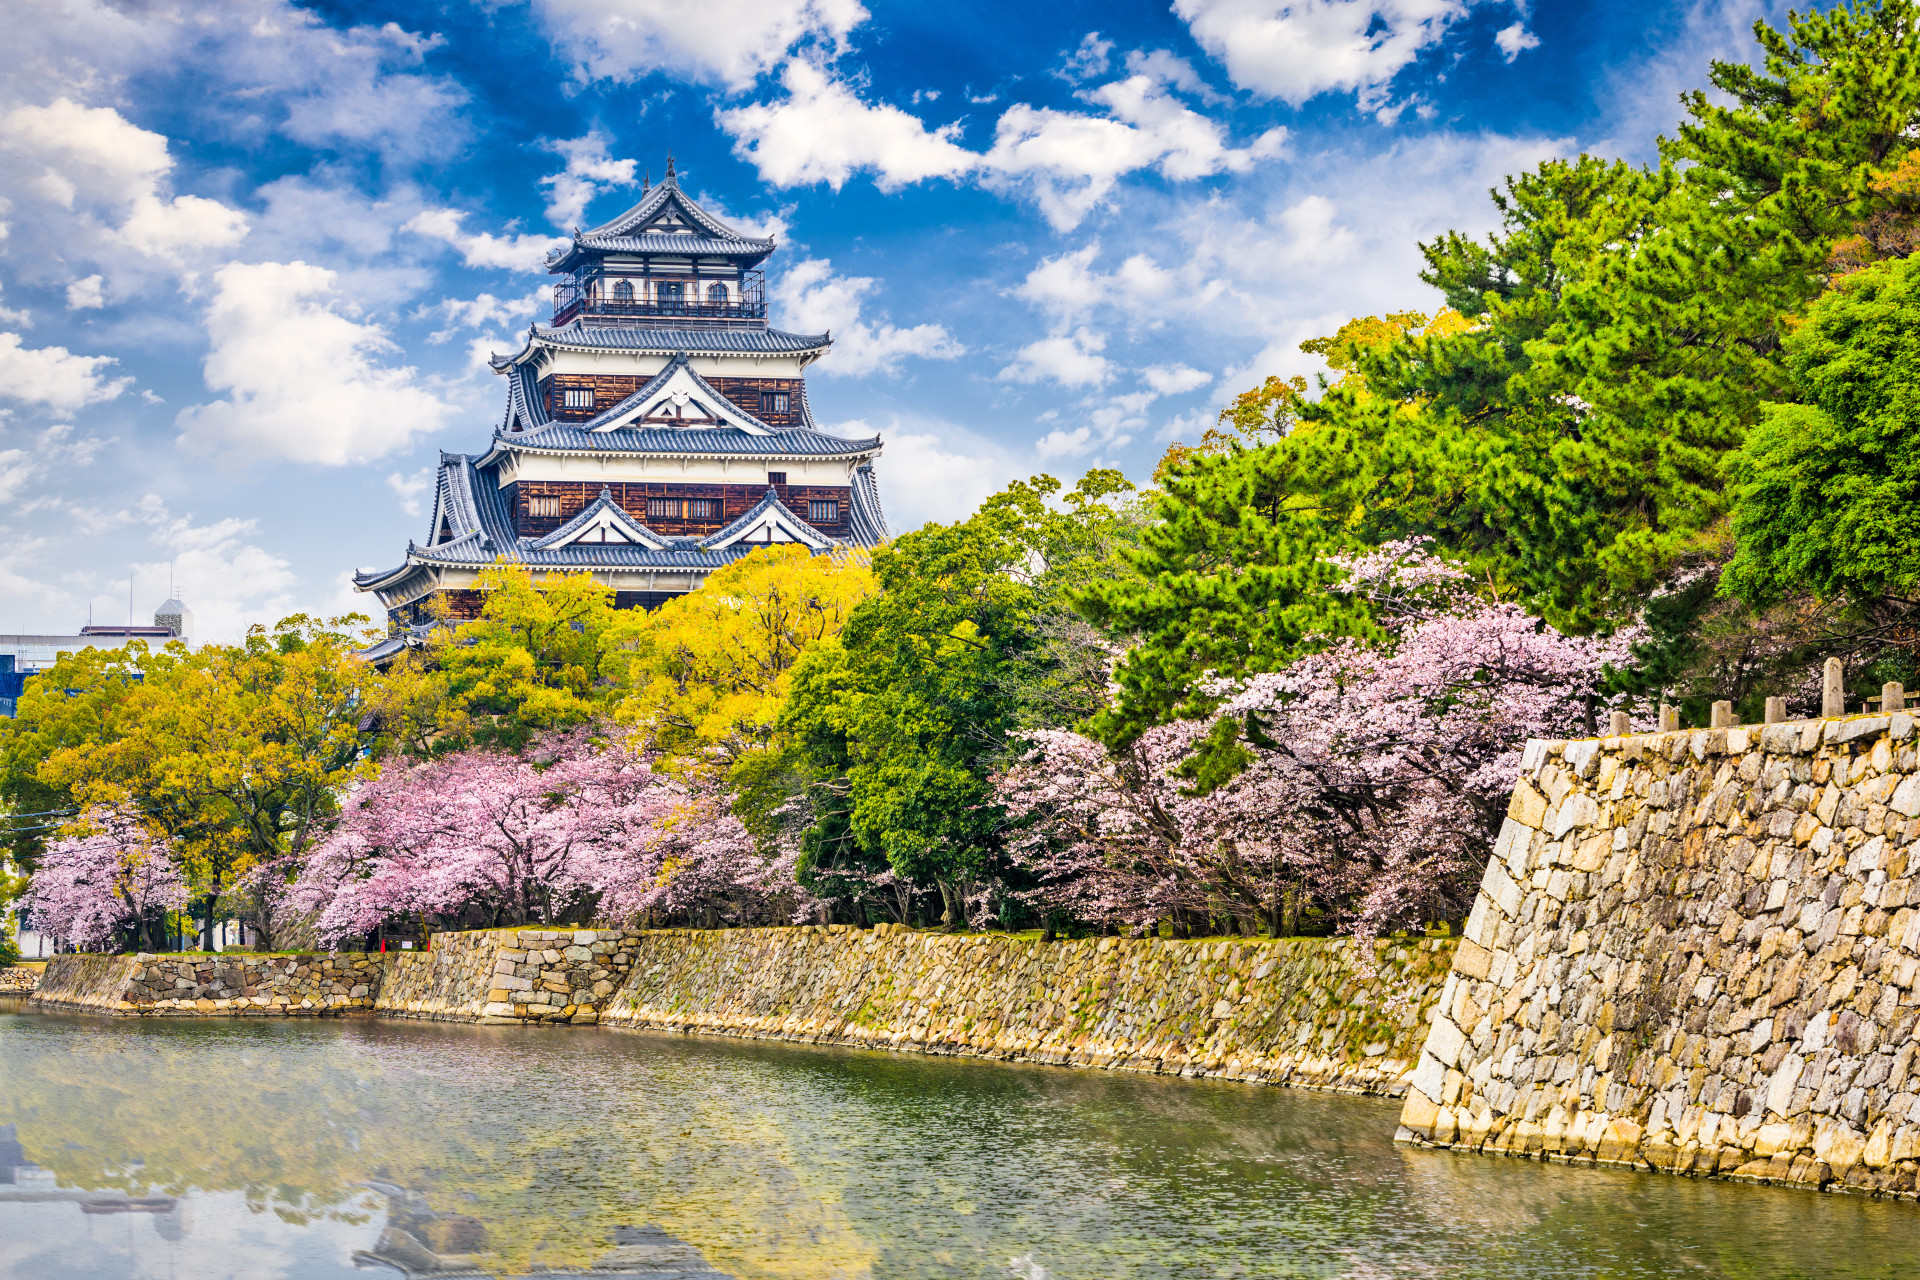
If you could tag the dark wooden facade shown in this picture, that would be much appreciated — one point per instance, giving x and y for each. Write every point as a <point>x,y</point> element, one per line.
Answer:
<point>757,396</point>
<point>731,501</point>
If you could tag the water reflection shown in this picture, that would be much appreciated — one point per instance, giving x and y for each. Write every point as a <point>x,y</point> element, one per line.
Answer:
<point>417,1149</point>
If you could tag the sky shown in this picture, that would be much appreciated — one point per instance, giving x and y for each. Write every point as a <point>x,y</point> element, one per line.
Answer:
<point>254,254</point>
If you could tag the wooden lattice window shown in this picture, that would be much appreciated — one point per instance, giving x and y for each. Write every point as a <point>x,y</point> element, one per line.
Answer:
<point>680,508</point>
<point>774,402</point>
<point>823,510</point>
<point>543,506</point>
<point>577,397</point>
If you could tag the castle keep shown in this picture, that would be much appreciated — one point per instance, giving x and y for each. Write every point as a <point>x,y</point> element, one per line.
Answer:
<point>656,430</point>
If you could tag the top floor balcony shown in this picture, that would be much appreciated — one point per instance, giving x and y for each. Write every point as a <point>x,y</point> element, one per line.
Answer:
<point>609,299</point>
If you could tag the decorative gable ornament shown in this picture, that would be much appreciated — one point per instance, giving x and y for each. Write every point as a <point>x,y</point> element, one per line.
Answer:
<point>603,521</point>
<point>767,523</point>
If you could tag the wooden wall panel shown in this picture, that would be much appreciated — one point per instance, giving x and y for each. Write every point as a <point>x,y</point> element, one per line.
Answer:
<point>735,500</point>
<point>609,390</point>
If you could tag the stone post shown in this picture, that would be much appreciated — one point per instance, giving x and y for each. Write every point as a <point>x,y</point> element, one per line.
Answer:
<point>1669,718</point>
<point>1892,697</point>
<point>1723,715</point>
<point>1833,690</point>
<point>1619,725</point>
<point>1776,710</point>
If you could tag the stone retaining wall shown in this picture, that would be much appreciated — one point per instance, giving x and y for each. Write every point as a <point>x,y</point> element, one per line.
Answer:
<point>1326,1013</point>
<point>1696,952</point>
<point>1310,1012</point>
<point>18,980</point>
<point>228,985</point>
<point>499,976</point>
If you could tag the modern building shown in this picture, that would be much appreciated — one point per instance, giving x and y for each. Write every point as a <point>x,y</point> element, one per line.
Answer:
<point>24,656</point>
<point>656,430</point>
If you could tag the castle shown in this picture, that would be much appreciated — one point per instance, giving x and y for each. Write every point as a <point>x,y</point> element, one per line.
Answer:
<point>656,430</point>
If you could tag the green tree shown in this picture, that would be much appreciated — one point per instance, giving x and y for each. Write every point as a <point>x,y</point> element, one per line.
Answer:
<point>237,752</point>
<point>1825,493</point>
<point>531,660</point>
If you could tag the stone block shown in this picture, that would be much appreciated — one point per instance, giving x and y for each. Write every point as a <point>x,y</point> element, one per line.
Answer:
<point>1471,959</point>
<point>1528,807</point>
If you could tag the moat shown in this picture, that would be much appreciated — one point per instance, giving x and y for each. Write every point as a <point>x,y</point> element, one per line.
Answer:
<point>359,1146</point>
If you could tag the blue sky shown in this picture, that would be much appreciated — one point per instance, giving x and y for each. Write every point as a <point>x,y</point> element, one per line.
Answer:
<point>255,253</point>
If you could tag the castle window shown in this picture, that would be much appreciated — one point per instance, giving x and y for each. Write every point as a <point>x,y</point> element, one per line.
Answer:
<point>543,506</point>
<point>623,291</point>
<point>680,508</point>
<point>672,293</point>
<point>717,293</point>
<point>774,402</point>
<point>776,477</point>
<point>577,397</point>
<point>823,511</point>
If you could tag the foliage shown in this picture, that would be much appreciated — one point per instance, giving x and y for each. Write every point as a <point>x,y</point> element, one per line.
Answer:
<point>530,663</point>
<point>236,752</point>
<point>1826,492</point>
<point>109,879</point>
<point>484,838</point>
<point>705,675</point>
<point>1364,779</point>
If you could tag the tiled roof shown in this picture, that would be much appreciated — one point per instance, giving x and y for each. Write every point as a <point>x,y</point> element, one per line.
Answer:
<point>727,442</point>
<point>710,236</point>
<point>599,337</point>
<point>677,243</point>
<point>864,514</point>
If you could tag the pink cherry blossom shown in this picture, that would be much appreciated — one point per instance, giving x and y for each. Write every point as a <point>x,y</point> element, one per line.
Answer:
<point>1375,779</point>
<point>113,879</point>
<point>578,828</point>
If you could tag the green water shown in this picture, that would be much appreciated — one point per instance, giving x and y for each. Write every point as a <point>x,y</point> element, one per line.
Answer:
<point>198,1149</point>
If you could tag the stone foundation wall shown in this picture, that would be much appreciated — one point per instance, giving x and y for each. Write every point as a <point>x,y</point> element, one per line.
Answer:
<point>499,976</point>
<point>1325,1013</point>
<point>18,980</point>
<point>1696,952</point>
<point>232,985</point>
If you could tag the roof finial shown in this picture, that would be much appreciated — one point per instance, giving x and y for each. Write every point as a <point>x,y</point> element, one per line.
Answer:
<point>670,174</point>
<point>646,181</point>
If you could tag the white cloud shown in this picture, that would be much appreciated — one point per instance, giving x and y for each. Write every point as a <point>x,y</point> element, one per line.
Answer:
<point>730,42</point>
<point>86,295</point>
<point>487,311</point>
<point>1065,444</point>
<point>55,377</point>
<point>1296,49</point>
<point>1069,286</point>
<point>1071,360</point>
<point>304,381</point>
<point>226,578</point>
<point>934,471</point>
<point>822,132</point>
<point>1090,60</point>
<point>589,171</point>
<point>1174,379</point>
<point>1070,160</point>
<point>106,176</point>
<point>409,489</point>
<point>1515,39</point>
<point>814,299</point>
<point>483,249</point>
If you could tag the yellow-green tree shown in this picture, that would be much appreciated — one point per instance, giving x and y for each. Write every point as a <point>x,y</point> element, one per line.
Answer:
<point>531,660</point>
<point>706,674</point>
<point>237,752</point>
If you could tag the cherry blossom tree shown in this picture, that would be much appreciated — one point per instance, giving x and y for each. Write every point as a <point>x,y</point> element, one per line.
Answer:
<point>578,827</point>
<point>1365,778</point>
<point>110,882</point>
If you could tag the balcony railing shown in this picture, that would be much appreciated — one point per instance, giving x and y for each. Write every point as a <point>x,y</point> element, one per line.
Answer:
<point>599,298</point>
